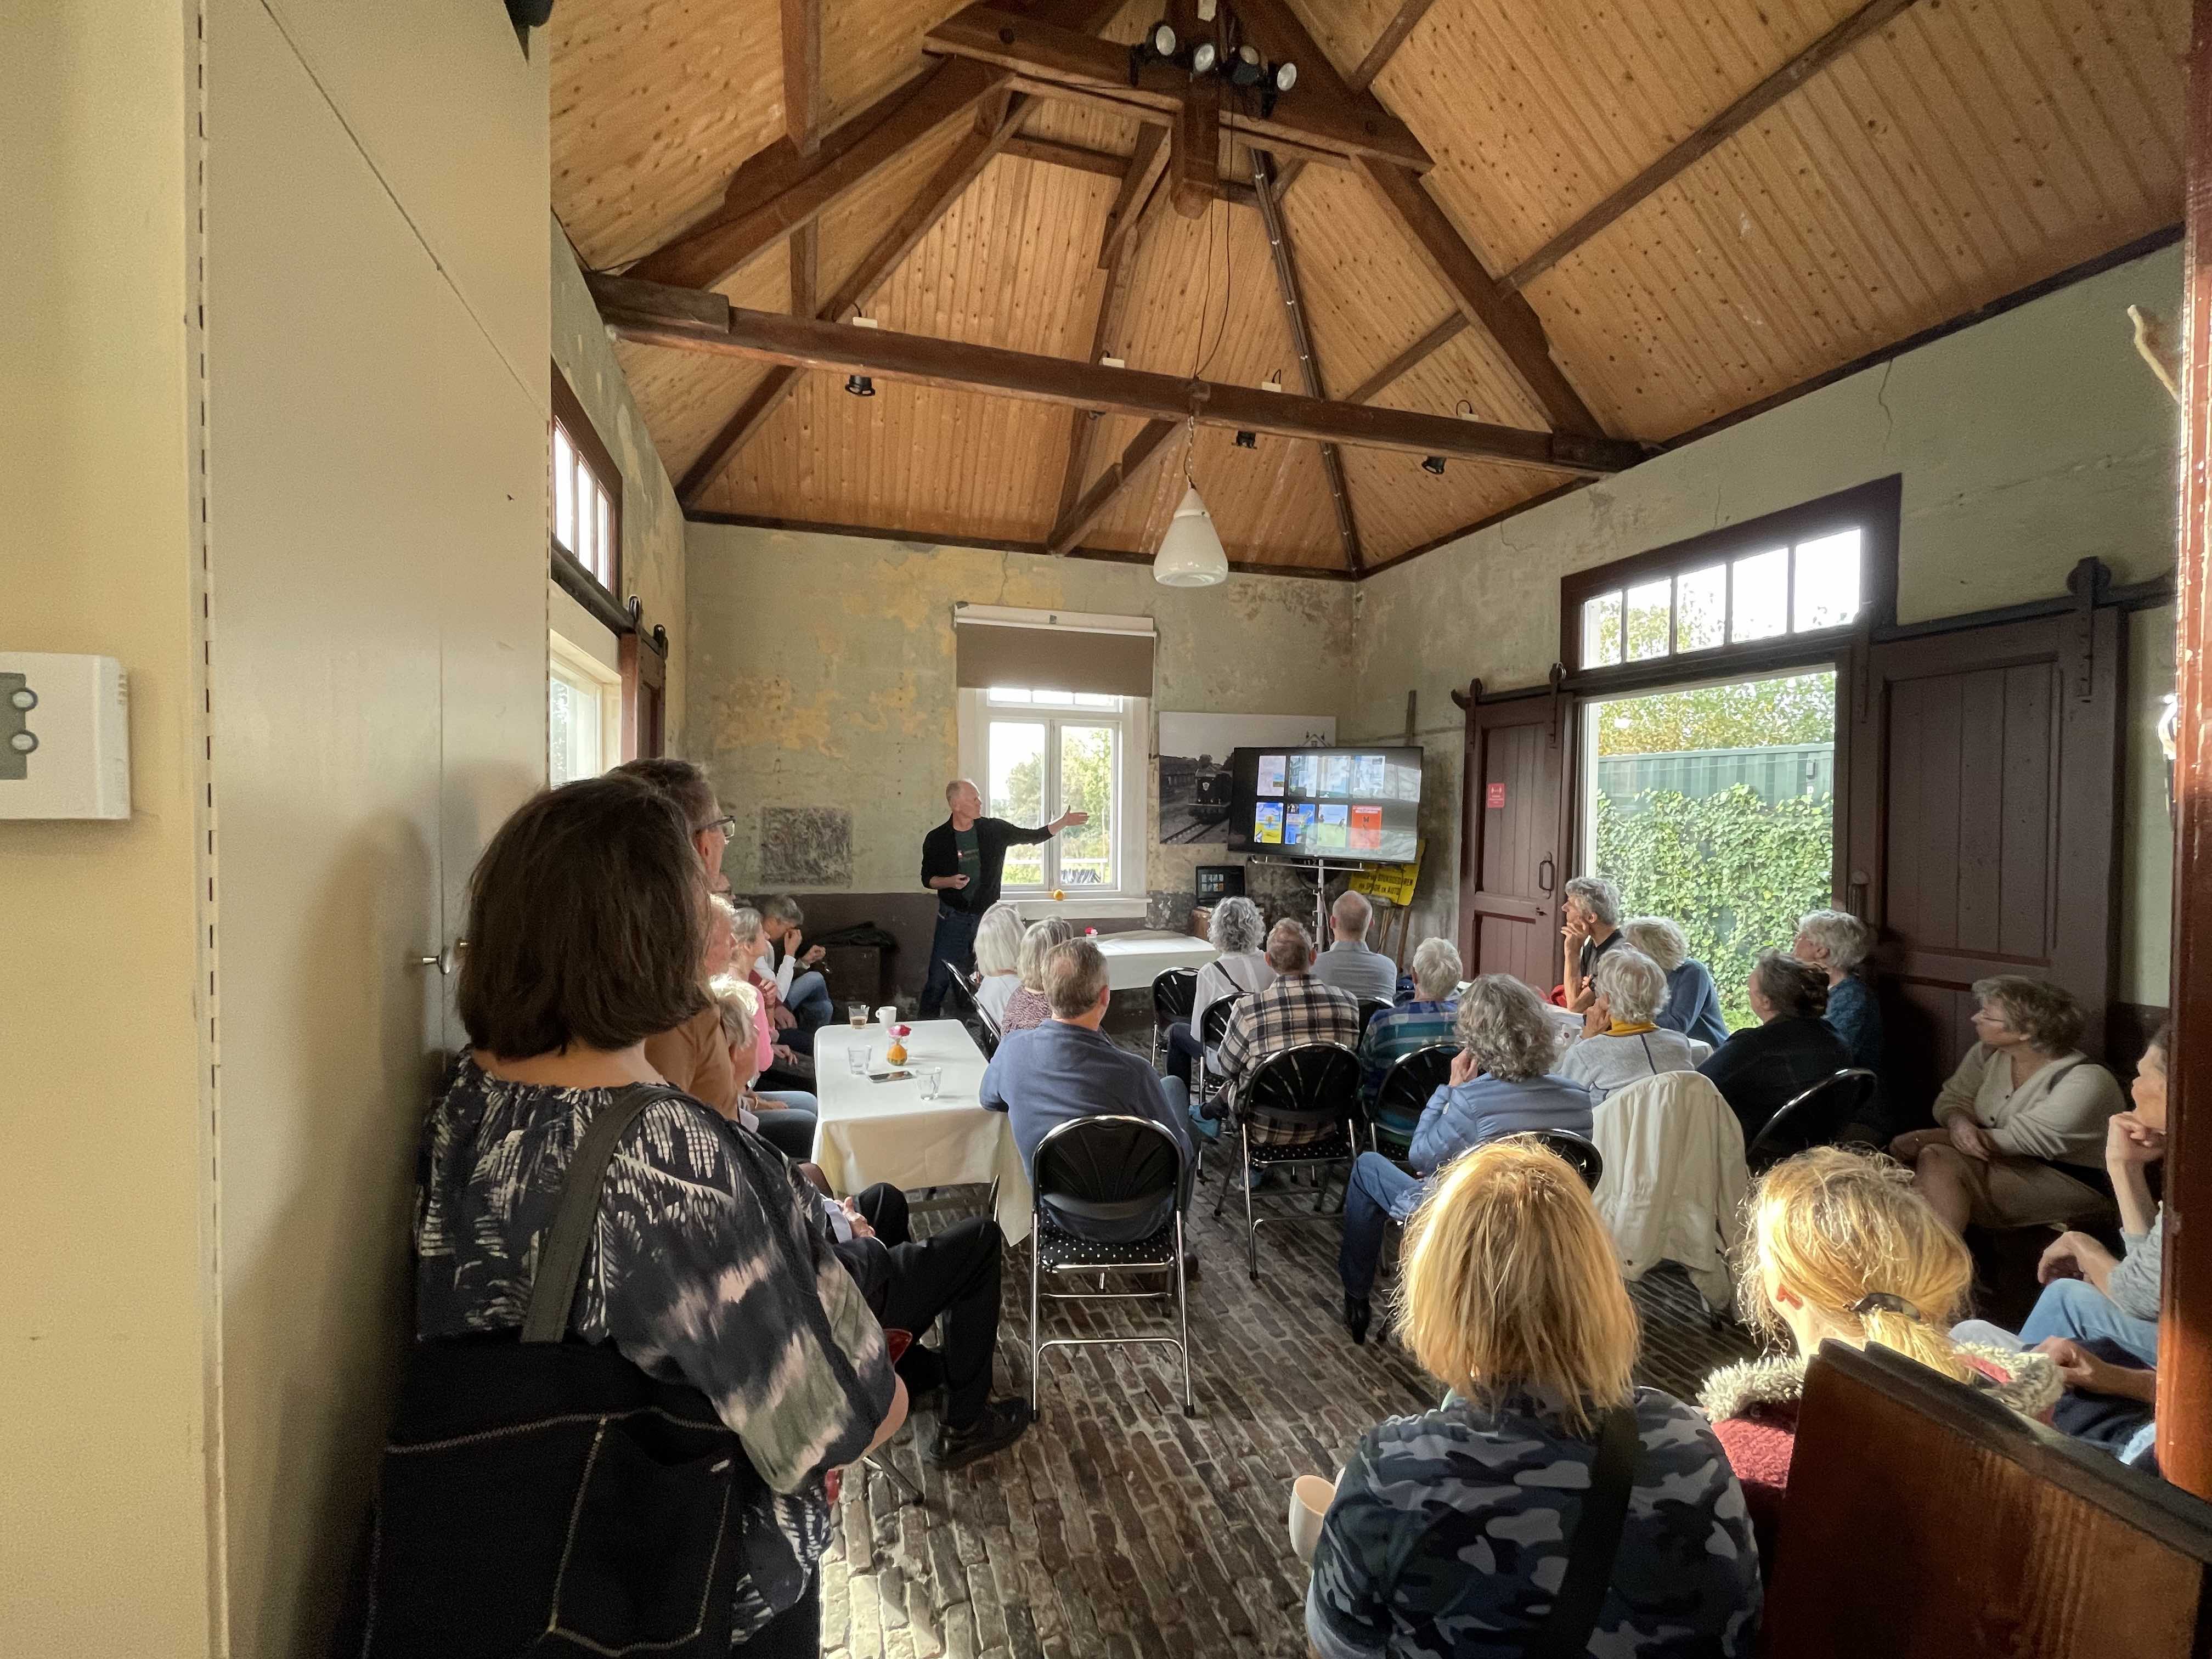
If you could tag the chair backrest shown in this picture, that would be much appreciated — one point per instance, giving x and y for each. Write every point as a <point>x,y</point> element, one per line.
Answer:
<point>1813,1118</point>
<point>1215,1025</point>
<point>1578,1151</point>
<point>1314,1083</point>
<point>1410,1079</point>
<point>1108,1171</point>
<point>980,1024</point>
<point>1371,1007</point>
<point>1174,990</point>
<point>1926,1521</point>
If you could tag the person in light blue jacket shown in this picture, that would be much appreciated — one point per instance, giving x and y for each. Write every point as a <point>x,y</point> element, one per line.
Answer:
<point>1501,1084</point>
<point>1692,1005</point>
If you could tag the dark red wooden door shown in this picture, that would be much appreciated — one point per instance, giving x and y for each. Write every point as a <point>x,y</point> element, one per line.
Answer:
<point>1511,854</point>
<point>1983,816</point>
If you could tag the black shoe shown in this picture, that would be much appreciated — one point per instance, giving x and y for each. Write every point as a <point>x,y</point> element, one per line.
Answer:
<point>1002,1423</point>
<point>1357,1313</point>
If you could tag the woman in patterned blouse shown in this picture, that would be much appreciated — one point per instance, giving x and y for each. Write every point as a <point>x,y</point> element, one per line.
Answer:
<point>587,919</point>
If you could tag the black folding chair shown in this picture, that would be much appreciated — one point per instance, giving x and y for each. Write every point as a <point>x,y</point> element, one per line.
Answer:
<point>970,1012</point>
<point>1312,1089</point>
<point>1814,1118</point>
<point>1405,1092</point>
<point>1371,1007</point>
<point>1174,991</point>
<point>1109,1174</point>
<point>1578,1151</point>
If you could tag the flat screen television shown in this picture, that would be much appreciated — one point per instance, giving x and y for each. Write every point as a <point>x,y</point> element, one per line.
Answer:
<point>1348,806</point>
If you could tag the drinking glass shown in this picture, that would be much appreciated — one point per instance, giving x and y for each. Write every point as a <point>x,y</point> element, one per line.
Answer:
<point>858,1058</point>
<point>858,1013</point>
<point>929,1077</point>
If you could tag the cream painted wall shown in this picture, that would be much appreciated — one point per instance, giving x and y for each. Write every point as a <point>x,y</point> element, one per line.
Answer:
<point>653,523</point>
<point>2026,443</point>
<point>821,673</point>
<point>104,1386</point>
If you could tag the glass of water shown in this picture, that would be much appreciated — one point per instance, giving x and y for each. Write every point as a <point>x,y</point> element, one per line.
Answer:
<point>858,1058</point>
<point>929,1076</point>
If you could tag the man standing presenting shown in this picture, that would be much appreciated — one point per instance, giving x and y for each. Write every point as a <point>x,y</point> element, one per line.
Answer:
<point>962,862</point>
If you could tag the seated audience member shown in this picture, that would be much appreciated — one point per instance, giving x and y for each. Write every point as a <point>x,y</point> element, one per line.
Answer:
<point>793,968</point>
<point>1237,931</point>
<point>1838,1245</point>
<point>1050,1074</point>
<point>1591,927</point>
<point>785,1121</point>
<point>1838,943</point>
<point>587,925</point>
<point>787,1115</point>
<point>1348,965</point>
<point>1029,1007</point>
<point>1422,1022</point>
<point>1621,1044</point>
<point>1292,1011</point>
<point>998,961</point>
<point>1692,1005</point>
<point>2021,1120</point>
<point>682,783</point>
<point>1501,1084</point>
<point>694,1056</point>
<point>1451,1528</point>
<point>1763,1067</point>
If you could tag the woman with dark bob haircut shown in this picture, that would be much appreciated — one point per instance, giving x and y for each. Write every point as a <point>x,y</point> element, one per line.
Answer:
<point>1763,1067</point>
<point>587,925</point>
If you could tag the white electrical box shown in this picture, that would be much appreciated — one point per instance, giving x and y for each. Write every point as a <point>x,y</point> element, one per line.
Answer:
<point>64,737</point>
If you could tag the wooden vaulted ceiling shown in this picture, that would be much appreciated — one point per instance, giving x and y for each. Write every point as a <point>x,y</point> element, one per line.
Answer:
<point>1931,157</point>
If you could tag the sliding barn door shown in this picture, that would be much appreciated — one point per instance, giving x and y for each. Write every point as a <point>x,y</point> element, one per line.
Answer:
<point>1983,819</point>
<point>1519,759</point>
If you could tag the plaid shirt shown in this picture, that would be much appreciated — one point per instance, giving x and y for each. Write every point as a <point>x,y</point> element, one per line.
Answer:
<point>1297,1009</point>
<point>1399,1030</point>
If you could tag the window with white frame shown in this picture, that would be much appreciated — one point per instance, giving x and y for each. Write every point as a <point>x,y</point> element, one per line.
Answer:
<point>1036,752</point>
<point>584,709</point>
<point>583,491</point>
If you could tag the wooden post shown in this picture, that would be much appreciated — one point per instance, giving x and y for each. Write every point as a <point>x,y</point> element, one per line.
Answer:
<point>2184,1337</point>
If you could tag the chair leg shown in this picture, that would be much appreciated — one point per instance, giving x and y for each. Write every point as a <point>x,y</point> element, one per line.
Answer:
<point>1251,1228</point>
<point>1037,1273</point>
<point>885,1467</point>
<point>1183,1321</point>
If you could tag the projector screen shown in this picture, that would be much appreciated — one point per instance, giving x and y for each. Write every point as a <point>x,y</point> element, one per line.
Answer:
<point>1347,806</point>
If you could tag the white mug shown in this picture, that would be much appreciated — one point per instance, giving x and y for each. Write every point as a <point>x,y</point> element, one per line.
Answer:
<point>888,1014</point>
<point>1310,1496</point>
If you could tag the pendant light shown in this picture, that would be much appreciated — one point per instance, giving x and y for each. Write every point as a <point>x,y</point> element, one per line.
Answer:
<point>1191,554</point>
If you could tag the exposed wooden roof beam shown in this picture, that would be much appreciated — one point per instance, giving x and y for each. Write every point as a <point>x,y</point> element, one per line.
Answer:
<point>1509,320</point>
<point>1378,57</point>
<point>1080,64</point>
<point>802,74</point>
<point>1410,359</point>
<point>1076,519</point>
<point>1132,201</point>
<point>805,269</point>
<point>691,320</point>
<point>900,238</point>
<point>1286,284</point>
<point>1054,153</point>
<point>1868,19</point>
<point>1195,151</point>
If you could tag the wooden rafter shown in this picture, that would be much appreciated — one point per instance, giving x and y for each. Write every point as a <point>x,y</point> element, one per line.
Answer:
<point>1286,284</point>
<point>1378,57</point>
<point>1076,519</point>
<point>1410,359</point>
<point>1106,164</point>
<point>802,74</point>
<point>1139,179</point>
<point>1195,151</point>
<point>805,269</point>
<point>692,320</point>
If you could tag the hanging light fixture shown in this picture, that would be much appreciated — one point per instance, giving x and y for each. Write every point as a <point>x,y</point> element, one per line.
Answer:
<point>1191,554</point>
<point>860,386</point>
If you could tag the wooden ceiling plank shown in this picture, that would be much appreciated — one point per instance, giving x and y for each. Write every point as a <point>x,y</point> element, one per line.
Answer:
<point>1377,59</point>
<point>1868,20</point>
<point>1076,521</point>
<point>653,314</point>
<point>1286,284</point>
<point>802,74</point>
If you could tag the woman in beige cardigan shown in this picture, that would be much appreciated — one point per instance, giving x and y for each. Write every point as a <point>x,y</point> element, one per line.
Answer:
<point>2021,1118</point>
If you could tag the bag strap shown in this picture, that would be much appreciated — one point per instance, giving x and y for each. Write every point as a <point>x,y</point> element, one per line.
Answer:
<point>561,1257</point>
<point>1567,1629</point>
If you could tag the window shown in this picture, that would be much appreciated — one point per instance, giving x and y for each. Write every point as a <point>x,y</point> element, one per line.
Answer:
<point>584,713</point>
<point>586,490</point>
<point>1036,752</point>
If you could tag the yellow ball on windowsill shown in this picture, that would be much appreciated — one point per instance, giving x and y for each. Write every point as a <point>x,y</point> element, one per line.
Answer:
<point>1059,894</point>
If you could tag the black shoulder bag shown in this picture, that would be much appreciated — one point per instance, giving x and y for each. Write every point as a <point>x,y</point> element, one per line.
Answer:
<point>1565,1631</point>
<point>544,1497</point>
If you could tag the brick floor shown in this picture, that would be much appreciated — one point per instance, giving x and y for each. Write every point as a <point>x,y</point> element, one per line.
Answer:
<point>1119,1527</point>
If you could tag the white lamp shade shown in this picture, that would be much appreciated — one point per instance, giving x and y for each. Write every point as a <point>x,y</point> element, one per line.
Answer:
<point>1191,554</point>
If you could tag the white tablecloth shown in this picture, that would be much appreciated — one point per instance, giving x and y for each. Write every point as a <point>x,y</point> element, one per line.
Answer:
<point>872,1131</point>
<point>1134,960</point>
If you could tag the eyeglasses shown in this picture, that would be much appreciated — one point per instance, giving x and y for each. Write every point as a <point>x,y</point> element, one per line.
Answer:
<point>727,823</point>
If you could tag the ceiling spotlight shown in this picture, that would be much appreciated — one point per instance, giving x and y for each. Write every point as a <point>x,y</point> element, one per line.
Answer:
<point>1282,76</point>
<point>861,386</point>
<point>1433,465</point>
<point>1247,439</point>
<point>1205,57</point>
<point>1245,67</point>
<point>1160,40</point>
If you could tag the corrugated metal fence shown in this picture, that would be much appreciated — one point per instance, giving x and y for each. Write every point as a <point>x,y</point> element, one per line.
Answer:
<point>1778,772</point>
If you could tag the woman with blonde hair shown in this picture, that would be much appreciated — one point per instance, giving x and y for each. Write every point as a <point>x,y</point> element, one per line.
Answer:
<point>998,961</point>
<point>1028,1006</point>
<point>1839,1245</point>
<point>1457,1531</point>
<point>1694,1003</point>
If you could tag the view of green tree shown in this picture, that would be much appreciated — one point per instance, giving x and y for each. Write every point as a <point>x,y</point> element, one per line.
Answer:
<point>1742,714</point>
<point>1087,785</point>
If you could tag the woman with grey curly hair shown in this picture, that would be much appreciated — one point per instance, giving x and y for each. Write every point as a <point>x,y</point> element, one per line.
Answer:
<point>1239,931</point>
<point>1028,1006</point>
<point>1621,1042</point>
<point>1693,1002</point>
<point>1502,1084</point>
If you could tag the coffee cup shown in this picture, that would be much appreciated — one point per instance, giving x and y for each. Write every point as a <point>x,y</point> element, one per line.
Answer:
<point>887,1015</point>
<point>1310,1496</point>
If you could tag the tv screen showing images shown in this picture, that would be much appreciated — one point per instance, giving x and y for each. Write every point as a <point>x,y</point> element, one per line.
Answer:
<point>1351,805</point>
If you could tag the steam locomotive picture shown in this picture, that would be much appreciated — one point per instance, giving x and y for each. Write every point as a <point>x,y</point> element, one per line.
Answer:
<point>1194,797</point>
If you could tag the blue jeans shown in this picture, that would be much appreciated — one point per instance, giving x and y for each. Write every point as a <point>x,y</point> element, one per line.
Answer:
<point>2074,1307</point>
<point>789,1126</point>
<point>808,1001</point>
<point>951,950</point>
<point>1377,1184</point>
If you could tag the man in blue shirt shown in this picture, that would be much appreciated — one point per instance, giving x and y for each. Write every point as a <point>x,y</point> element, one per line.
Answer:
<point>1348,965</point>
<point>1068,1068</point>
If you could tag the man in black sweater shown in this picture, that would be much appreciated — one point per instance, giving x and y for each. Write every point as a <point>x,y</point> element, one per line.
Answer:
<point>962,862</point>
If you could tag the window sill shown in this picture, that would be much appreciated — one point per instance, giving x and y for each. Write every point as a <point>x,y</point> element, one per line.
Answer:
<point>1040,906</point>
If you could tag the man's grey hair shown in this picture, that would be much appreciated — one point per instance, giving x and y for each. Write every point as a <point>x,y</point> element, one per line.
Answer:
<point>1633,986</point>
<point>1037,944</point>
<point>1289,948</point>
<point>1437,968</point>
<point>999,939</point>
<point>1599,897</point>
<point>956,786</point>
<point>1504,1024</point>
<point>1847,941</point>
<point>1352,913</point>
<point>784,908</point>
<point>1075,978</point>
<point>1659,938</point>
<point>1236,926</point>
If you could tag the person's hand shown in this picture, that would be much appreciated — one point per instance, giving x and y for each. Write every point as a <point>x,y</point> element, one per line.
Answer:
<point>1069,820</point>
<point>2071,1255</point>
<point>956,882</point>
<point>1576,926</point>
<point>860,1228</point>
<point>782,1018</point>
<point>784,1053</point>
<point>1463,1068</point>
<point>2129,1139</point>
<point>2081,1370</point>
<point>814,955</point>
<point>1970,1138</point>
<point>1598,1020</point>
<point>1913,1142</point>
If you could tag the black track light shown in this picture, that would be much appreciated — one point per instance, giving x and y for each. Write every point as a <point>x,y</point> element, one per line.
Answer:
<point>1245,67</point>
<point>1247,439</point>
<point>861,386</point>
<point>1433,465</point>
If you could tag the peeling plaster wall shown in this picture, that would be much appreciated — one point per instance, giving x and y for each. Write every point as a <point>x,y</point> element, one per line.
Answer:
<point>653,522</point>
<point>2026,443</point>
<point>822,675</point>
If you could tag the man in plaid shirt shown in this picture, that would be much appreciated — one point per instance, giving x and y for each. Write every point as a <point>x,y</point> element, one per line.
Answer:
<point>1296,1009</point>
